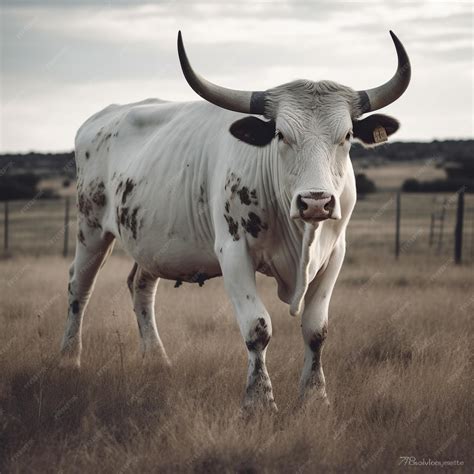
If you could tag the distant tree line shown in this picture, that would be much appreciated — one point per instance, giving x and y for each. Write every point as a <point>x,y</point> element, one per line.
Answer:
<point>42,164</point>
<point>20,173</point>
<point>408,151</point>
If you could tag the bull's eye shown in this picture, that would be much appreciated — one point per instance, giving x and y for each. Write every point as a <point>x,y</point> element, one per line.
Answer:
<point>282,137</point>
<point>347,138</point>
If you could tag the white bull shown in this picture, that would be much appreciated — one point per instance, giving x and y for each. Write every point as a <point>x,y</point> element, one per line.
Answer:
<point>194,191</point>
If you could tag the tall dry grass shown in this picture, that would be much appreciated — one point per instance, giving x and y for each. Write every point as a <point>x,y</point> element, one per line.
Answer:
<point>397,364</point>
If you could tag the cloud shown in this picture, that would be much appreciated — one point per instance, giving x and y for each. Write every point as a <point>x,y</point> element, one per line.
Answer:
<point>69,60</point>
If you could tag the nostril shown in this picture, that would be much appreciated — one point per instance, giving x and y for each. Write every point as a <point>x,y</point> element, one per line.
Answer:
<point>329,206</point>
<point>302,206</point>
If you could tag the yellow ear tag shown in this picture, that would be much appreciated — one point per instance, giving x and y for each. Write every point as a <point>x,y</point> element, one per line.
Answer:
<point>380,135</point>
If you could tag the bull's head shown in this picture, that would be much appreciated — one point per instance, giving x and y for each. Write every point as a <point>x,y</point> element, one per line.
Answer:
<point>314,123</point>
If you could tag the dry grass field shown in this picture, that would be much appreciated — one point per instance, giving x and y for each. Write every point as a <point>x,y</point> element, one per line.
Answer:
<point>397,361</point>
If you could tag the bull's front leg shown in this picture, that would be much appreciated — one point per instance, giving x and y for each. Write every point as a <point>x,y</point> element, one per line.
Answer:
<point>253,319</point>
<point>315,325</point>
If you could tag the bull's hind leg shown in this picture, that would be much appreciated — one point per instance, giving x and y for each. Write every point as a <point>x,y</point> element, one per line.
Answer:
<point>142,287</point>
<point>91,253</point>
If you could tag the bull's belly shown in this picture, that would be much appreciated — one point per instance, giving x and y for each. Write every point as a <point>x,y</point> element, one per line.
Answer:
<point>183,261</point>
<point>188,268</point>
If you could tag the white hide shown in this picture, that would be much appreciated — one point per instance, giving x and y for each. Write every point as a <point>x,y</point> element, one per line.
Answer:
<point>183,168</point>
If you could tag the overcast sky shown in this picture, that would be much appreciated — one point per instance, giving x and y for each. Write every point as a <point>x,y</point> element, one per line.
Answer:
<point>64,60</point>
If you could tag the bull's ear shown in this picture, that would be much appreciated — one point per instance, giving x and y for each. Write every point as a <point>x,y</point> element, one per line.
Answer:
<point>375,129</point>
<point>253,130</point>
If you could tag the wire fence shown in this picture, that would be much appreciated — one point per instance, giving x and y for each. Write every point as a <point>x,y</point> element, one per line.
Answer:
<point>426,227</point>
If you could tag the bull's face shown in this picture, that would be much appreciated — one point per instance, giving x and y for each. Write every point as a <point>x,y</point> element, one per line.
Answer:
<point>313,152</point>
<point>314,123</point>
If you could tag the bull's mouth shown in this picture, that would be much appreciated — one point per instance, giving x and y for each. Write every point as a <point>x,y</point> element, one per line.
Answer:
<point>314,219</point>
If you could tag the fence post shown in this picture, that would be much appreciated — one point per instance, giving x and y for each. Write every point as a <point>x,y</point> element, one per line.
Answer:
<point>66,228</point>
<point>458,230</point>
<point>5,227</point>
<point>397,225</point>
<point>432,229</point>
<point>441,225</point>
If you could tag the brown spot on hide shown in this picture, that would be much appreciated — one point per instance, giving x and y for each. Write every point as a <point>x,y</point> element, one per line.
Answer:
<point>81,237</point>
<point>128,220</point>
<point>316,345</point>
<point>258,365</point>
<point>233,226</point>
<point>129,185</point>
<point>131,276</point>
<point>75,307</point>
<point>260,337</point>
<point>202,195</point>
<point>98,197</point>
<point>85,205</point>
<point>253,224</point>
<point>318,339</point>
<point>233,182</point>
<point>117,219</point>
<point>244,196</point>
<point>133,223</point>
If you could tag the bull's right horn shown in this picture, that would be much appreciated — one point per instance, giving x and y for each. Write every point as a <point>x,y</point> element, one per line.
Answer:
<point>247,102</point>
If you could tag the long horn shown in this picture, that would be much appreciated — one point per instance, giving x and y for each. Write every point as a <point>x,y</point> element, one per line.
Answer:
<point>240,101</point>
<point>378,97</point>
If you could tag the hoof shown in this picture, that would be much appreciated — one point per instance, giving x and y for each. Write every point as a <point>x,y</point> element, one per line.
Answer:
<point>252,407</point>
<point>70,358</point>
<point>69,363</point>
<point>157,359</point>
<point>314,398</point>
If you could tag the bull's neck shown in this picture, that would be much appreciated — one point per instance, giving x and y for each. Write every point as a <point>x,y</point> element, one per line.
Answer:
<point>289,243</point>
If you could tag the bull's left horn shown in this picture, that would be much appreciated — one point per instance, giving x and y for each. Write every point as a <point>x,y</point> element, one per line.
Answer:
<point>378,97</point>
<point>247,102</point>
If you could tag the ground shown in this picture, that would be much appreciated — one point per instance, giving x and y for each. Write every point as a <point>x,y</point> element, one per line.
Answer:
<point>397,363</point>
